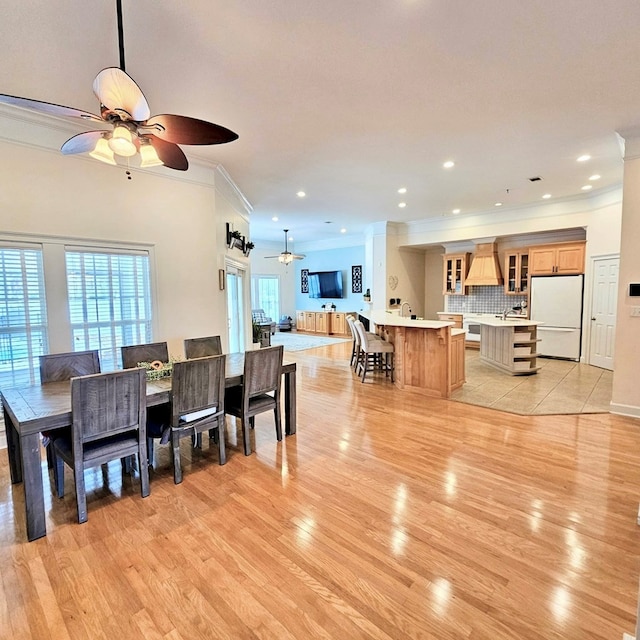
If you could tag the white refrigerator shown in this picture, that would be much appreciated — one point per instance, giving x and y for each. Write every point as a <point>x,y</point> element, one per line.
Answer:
<point>557,302</point>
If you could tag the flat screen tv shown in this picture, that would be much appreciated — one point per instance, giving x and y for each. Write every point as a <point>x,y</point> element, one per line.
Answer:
<point>325,284</point>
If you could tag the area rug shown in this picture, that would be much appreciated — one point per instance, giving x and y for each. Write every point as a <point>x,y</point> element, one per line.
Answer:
<point>300,342</point>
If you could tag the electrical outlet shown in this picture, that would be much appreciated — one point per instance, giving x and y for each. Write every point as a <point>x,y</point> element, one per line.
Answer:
<point>635,312</point>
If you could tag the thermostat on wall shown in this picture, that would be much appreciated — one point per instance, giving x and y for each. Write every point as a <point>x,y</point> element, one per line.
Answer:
<point>634,290</point>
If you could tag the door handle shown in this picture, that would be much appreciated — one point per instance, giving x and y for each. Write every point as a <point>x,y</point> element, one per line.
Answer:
<point>593,319</point>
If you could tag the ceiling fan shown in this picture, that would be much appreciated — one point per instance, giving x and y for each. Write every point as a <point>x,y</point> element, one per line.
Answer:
<point>133,129</point>
<point>286,257</point>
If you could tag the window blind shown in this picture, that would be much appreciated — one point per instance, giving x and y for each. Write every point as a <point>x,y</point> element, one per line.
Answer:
<point>23,317</point>
<point>109,302</point>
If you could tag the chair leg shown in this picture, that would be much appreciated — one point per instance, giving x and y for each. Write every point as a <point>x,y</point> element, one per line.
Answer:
<point>144,471</point>
<point>51,455</point>
<point>246,436</point>
<point>151,452</point>
<point>58,475</point>
<point>81,495</point>
<point>276,413</point>
<point>177,467</point>
<point>221,448</point>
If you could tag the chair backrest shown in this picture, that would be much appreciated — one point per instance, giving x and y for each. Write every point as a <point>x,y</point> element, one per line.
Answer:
<point>197,386</point>
<point>362,334</point>
<point>354,334</point>
<point>135,353</point>
<point>262,371</point>
<point>202,347</point>
<point>105,404</point>
<point>258,315</point>
<point>57,367</point>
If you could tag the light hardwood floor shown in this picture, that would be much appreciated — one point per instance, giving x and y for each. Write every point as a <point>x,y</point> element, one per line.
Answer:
<point>388,515</point>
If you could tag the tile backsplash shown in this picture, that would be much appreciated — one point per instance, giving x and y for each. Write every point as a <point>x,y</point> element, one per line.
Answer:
<point>483,299</point>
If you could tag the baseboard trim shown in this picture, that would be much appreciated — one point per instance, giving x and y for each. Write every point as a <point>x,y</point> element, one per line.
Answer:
<point>625,410</point>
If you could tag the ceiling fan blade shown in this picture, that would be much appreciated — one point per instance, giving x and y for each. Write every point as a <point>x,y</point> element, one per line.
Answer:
<point>82,142</point>
<point>117,91</point>
<point>48,107</point>
<point>185,130</point>
<point>171,154</point>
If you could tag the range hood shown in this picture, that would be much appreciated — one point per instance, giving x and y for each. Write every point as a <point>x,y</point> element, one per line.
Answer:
<point>485,266</point>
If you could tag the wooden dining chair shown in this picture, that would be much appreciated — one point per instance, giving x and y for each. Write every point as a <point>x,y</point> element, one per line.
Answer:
<point>59,367</point>
<point>259,392</point>
<point>108,421</point>
<point>202,347</point>
<point>197,404</point>
<point>158,417</point>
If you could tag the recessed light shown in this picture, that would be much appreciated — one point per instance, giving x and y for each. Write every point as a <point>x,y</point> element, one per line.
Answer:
<point>402,205</point>
<point>546,196</point>
<point>448,164</point>
<point>455,211</point>
<point>595,176</point>
<point>583,158</point>
<point>301,194</point>
<point>498,204</point>
<point>402,190</point>
<point>343,230</point>
<point>275,218</point>
<point>587,187</point>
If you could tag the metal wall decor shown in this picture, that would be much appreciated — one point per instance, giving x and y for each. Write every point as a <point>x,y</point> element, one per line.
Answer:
<point>304,280</point>
<point>356,279</point>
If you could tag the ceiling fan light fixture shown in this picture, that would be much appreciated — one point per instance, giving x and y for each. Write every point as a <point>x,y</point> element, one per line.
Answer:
<point>285,258</point>
<point>121,141</point>
<point>102,151</point>
<point>148,155</point>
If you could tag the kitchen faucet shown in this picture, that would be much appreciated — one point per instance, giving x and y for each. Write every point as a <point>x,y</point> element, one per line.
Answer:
<point>402,309</point>
<point>508,311</point>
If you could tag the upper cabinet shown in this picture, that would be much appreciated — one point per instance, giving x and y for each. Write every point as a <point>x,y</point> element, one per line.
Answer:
<point>455,272</point>
<point>557,259</point>
<point>516,272</point>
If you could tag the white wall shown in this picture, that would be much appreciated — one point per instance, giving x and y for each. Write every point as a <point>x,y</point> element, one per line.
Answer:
<point>45,193</point>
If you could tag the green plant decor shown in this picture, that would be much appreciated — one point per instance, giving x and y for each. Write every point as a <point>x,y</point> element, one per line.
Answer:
<point>256,328</point>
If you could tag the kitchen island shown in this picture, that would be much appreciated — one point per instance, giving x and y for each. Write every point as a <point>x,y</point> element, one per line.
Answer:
<point>509,344</point>
<point>429,354</point>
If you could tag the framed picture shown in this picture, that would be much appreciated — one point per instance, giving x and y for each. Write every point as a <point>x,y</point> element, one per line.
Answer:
<point>356,279</point>
<point>304,280</point>
<point>221,279</point>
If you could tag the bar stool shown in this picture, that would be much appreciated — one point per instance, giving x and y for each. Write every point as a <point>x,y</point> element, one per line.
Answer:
<point>355,349</point>
<point>372,352</point>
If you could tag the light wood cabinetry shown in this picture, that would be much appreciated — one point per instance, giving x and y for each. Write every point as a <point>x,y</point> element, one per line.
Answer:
<point>511,349</point>
<point>516,273</point>
<point>457,360</point>
<point>310,321</point>
<point>454,272</point>
<point>456,318</point>
<point>557,259</point>
<point>324,322</point>
<point>339,323</point>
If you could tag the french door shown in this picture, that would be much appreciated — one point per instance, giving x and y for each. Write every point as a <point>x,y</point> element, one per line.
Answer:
<point>236,307</point>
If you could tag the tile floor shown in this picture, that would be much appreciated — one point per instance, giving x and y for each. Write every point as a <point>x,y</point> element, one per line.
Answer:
<point>560,386</point>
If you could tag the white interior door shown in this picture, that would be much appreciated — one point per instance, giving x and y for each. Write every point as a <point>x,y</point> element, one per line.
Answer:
<point>604,297</point>
<point>235,308</point>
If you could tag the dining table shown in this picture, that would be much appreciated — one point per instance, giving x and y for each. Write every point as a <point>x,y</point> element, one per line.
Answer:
<point>29,410</point>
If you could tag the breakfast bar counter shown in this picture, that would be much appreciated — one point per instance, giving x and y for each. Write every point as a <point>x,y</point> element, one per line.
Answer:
<point>429,354</point>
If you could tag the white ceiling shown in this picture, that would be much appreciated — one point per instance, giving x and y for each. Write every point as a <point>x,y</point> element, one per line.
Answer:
<point>349,100</point>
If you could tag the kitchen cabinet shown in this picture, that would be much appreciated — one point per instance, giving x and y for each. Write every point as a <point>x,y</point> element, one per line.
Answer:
<point>554,259</point>
<point>324,322</point>
<point>454,273</point>
<point>516,273</point>
<point>510,348</point>
<point>338,323</point>
<point>456,318</point>
<point>310,321</point>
